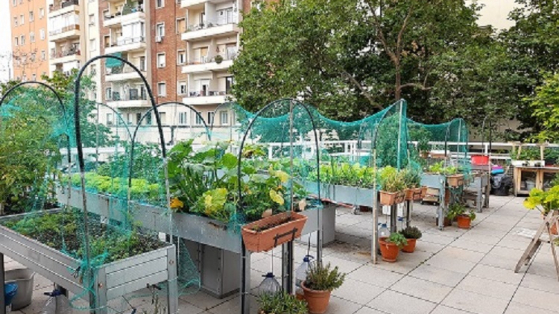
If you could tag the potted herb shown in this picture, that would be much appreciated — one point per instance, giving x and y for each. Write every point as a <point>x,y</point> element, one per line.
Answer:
<point>463,216</point>
<point>390,247</point>
<point>281,302</point>
<point>412,180</point>
<point>393,186</point>
<point>411,234</point>
<point>544,201</point>
<point>318,285</point>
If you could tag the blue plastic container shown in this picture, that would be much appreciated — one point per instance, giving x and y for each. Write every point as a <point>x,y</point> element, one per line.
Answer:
<point>10,290</point>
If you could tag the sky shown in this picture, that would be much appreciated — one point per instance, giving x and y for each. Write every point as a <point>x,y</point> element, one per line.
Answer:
<point>5,35</point>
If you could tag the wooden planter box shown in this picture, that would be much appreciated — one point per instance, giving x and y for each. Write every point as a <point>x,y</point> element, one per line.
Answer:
<point>112,280</point>
<point>416,194</point>
<point>455,180</point>
<point>391,198</point>
<point>261,241</point>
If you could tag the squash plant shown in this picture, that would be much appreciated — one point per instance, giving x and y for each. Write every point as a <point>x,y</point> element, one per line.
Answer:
<point>543,201</point>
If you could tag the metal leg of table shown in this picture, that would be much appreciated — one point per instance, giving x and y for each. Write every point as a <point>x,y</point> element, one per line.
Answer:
<point>287,267</point>
<point>245,280</point>
<point>394,218</point>
<point>479,199</point>
<point>409,208</point>
<point>2,279</point>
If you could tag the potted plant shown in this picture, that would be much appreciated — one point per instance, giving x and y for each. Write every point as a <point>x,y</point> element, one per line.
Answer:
<point>318,285</point>
<point>412,180</point>
<point>390,247</point>
<point>421,135</point>
<point>218,59</point>
<point>393,186</point>
<point>463,216</point>
<point>411,234</point>
<point>544,201</point>
<point>281,302</point>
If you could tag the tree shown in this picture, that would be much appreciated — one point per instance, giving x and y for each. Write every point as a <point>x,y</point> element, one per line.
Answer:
<point>545,106</point>
<point>350,58</point>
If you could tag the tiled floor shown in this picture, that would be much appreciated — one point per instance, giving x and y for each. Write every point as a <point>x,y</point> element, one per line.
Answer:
<point>452,271</point>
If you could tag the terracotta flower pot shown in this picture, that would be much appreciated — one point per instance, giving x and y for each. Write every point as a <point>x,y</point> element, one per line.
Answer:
<point>455,180</point>
<point>552,228</point>
<point>388,250</point>
<point>446,222</point>
<point>410,248</point>
<point>414,194</point>
<point>463,221</point>
<point>391,198</point>
<point>318,300</point>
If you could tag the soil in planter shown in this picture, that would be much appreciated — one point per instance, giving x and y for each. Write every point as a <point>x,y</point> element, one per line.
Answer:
<point>63,231</point>
<point>272,225</point>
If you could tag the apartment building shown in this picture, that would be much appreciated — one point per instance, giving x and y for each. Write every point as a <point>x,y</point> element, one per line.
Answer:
<point>28,20</point>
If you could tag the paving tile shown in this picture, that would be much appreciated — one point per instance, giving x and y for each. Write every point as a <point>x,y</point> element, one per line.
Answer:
<point>442,309</point>
<point>205,301</point>
<point>472,246</point>
<point>437,238</point>
<point>341,306</point>
<point>471,236</point>
<point>491,288</point>
<point>540,283</point>
<point>542,269</point>
<point>430,247</point>
<point>397,303</point>
<point>357,291</point>
<point>499,261</point>
<point>343,265</point>
<point>461,254</point>
<point>497,274</point>
<point>423,289</point>
<point>537,298</point>
<point>234,306</point>
<point>368,310</point>
<point>373,275</point>
<point>40,282</point>
<point>475,303</point>
<point>438,275</point>
<point>406,262</point>
<point>519,308</point>
<point>452,264</point>
<point>39,300</point>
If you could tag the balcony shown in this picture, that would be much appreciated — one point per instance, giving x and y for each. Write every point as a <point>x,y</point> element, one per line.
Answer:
<point>208,30</point>
<point>64,56</point>
<point>206,65</point>
<point>132,99</point>
<point>205,98</point>
<point>124,73</point>
<point>190,4</point>
<point>126,44</point>
<point>61,7</point>
<point>65,33</point>
<point>136,15</point>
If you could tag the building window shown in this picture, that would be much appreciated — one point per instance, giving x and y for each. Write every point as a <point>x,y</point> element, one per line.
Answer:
<point>92,20</point>
<point>210,118</point>
<point>229,81</point>
<point>181,25</point>
<point>42,33</point>
<point>21,19</point>
<point>181,57</point>
<point>93,70</point>
<point>14,2</point>
<point>163,118</point>
<point>182,88</point>
<point>142,63</point>
<point>22,40</point>
<point>109,118</point>
<point>148,119</point>
<point>32,37</point>
<point>161,89</point>
<point>41,13</point>
<point>224,117</point>
<point>159,3</point>
<point>33,77</point>
<point>92,45</point>
<point>160,60</point>
<point>43,55</point>
<point>16,40</point>
<point>31,16</point>
<point>198,119</point>
<point>160,29</point>
<point>108,93</point>
<point>138,118</point>
<point>183,118</point>
<point>15,21</point>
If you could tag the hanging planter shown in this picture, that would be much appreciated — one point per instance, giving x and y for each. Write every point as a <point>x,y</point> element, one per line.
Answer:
<point>392,198</point>
<point>455,180</point>
<point>416,194</point>
<point>267,233</point>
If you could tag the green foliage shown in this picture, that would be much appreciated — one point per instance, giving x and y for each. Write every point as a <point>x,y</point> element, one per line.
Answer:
<point>411,177</point>
<point>391,180</point>
<point>440,168</point>
<point>321,277</point>
<point>343,173</point>
<point>544,201</point>
<point>411,232</point>
<point>458,209</point>
<point>398,239</point>
<point>526,153</point>
<point>545,106</point>
<point>281,303</point>
<point>422,136</point>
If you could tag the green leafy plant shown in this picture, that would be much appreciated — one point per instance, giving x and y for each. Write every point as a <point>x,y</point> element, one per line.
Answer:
<point>281,303</point>
<point>422,136</point>
<point>411,232</point>
<point>398,239</point>
<point>411,177</point>
<point>322,278</point>
<point>543,201</point>
<point>392,180</point>
<point>458,209</point>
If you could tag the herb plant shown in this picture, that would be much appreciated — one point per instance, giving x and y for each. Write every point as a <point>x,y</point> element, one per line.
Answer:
<point>411,232</point>
<point>281,303</point>
<point>323,278</point>
<point>398,239</point>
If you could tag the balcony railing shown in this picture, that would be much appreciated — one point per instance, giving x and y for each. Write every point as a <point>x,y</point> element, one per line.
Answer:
<point>126,41</point>
<point>210,24</point>
<point>230,55</point>
<point>62,4</point>
<point>133,94</point>
<point>206,93</point>
<point>64,53</point>
<point>118,14</point>
<point>64,29</point>
<point>123,70</point>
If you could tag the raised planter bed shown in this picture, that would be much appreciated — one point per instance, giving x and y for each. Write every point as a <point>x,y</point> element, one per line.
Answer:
<point>112,280</point>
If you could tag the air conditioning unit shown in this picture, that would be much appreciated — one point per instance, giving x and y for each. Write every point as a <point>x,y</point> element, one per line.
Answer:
<point>158,39</point>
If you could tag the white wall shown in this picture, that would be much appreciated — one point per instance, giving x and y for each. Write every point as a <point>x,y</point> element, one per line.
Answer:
<point>5,37</point>
<point>495,13</point>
